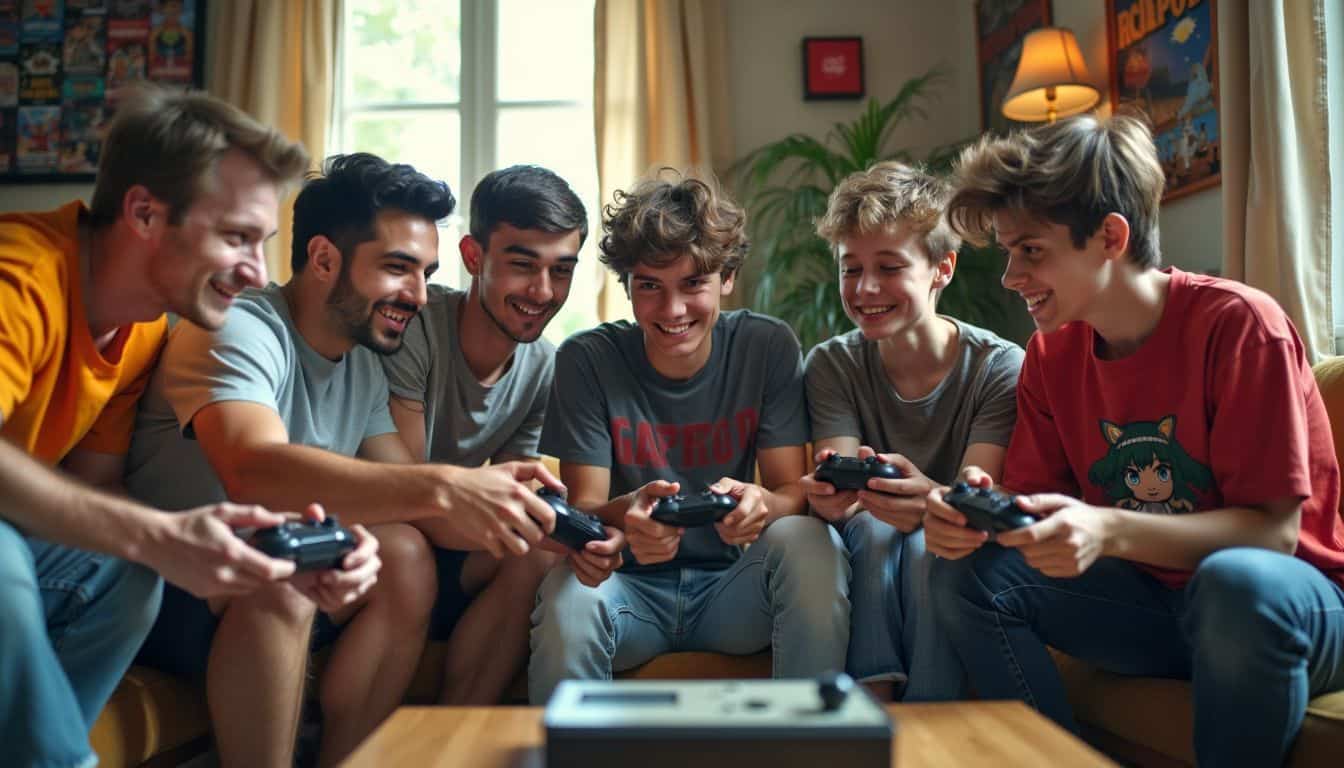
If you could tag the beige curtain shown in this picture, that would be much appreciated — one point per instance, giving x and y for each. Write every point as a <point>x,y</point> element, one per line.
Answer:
<point>1276,170</point>
<point>276,60</point>
<point>660,98</point>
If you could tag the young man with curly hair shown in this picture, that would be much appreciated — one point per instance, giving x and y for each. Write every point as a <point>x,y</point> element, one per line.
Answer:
<point>1172,440</point>
<point>686,398</point>
<point>928,393</point>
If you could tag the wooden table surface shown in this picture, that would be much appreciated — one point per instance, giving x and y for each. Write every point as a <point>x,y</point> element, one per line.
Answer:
<point>978,733</point>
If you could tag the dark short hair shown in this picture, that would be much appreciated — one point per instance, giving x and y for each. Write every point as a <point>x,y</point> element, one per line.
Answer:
<point>171,141</point>
<point>343,200</point>
<point>527,197</point>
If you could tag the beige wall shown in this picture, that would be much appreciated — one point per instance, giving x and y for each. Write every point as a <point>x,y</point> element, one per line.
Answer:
<point>902,38</point>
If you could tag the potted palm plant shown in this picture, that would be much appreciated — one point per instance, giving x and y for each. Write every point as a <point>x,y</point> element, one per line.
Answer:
<point>785,185</point>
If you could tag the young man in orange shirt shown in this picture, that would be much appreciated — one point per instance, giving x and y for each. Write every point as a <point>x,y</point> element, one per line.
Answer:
<point>185,196</point>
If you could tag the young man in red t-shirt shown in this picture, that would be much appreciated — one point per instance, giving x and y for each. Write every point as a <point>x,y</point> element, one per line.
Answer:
<point>1172,439</point>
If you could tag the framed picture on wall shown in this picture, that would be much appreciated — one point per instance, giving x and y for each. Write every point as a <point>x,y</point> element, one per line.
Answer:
<point>832,68</point>
<point>62,64</point>
<point>1165,65</point>
<point>1000,27</point>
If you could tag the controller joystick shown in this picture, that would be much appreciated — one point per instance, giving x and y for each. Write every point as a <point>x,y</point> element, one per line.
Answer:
<point>572,527</point>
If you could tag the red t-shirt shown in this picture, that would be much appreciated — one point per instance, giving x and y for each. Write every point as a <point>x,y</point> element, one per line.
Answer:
<point>1217,408</point>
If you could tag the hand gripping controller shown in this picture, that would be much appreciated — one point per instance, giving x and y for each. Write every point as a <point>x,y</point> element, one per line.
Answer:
<point>986,509</point>
<point>572,527</point>
<point>312,546</point>
<point>690,511</point>
<point>847,473</point>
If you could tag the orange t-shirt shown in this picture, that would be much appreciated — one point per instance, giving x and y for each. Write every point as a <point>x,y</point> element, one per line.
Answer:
<point>57,390</point>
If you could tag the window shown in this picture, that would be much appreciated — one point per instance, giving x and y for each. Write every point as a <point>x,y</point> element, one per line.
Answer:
<point>458,88</point>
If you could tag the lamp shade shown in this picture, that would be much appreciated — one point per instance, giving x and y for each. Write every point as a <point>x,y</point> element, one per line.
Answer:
<point>1051,79</point>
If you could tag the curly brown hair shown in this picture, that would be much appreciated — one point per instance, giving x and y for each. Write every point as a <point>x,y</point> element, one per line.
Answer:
<point>670,215</point>
<point>1074,173</point>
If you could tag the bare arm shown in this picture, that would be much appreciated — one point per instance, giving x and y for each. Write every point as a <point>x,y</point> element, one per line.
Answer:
<point>781,471</point>
<point>987,456</point>
<point>104,471</point>
<point>588,488</point>
<point>1182,541</point>
<point>409,416</point>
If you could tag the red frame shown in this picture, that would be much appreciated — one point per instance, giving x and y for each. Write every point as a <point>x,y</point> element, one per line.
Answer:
<point>833,68</point>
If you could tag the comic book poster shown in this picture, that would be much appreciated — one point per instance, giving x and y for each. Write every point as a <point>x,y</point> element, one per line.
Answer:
<point>9,38</point>
<point>170,40</point>
<point>73,7</point>
<point>40,73</point>
<point>39,133</point>
<point>1164,63</point>
<point>128,20</point>
<point>85,47</point>
<point>9,84</point>
<point>40,21</point>
<point>7,118</point>
<point>125,62</point>
<point>81,134</point>
<point>1000,28</point>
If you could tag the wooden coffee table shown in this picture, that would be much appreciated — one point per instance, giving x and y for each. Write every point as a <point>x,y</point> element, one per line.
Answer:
<point>978,733</point>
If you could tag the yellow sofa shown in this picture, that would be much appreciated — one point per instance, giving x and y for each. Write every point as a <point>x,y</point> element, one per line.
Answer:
<point>1140,720</point>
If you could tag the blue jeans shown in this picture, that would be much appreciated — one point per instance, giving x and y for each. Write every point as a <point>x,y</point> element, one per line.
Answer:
<point>1258,633</point>
<point>892,633</point>
<point>787,592</point>
<point>70,623</point>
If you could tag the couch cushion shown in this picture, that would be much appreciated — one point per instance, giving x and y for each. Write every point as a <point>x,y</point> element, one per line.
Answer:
<point>149,713</point>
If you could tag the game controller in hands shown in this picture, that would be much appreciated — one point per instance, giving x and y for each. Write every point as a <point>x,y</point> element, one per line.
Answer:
<point>986,509</point>
<point>690,511</point>
<point>312,546</point>
<point>848,473</point>
<point>572,527</point>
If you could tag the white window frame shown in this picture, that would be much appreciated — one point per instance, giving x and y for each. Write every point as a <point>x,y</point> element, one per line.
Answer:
<point>478,104</point>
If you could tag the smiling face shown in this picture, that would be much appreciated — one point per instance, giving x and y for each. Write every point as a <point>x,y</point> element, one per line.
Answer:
<point>1151,483</point>
<point>524,277</point>
<point>200,264</point>
<point>1058,281</point>
<point>676,308</point>
<point>887,283</point>
<point>382,284</point>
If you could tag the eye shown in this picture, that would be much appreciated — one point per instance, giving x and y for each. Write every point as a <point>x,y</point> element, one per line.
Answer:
<point>563,272</point>
<point>396,268</point>
<point>521,265</point>
<point>1131,477</point>
<point>1164,474</point>
<point>892,267</point>
<point>235,239</point>
<point>646,286</point>
<point>851,271</point>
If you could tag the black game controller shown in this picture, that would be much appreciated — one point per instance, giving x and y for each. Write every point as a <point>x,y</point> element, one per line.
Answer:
<point>572,527</point>
<point>986,509</point>
<point>690,511</point>
<point>847,473</point>
<point>312,546</point>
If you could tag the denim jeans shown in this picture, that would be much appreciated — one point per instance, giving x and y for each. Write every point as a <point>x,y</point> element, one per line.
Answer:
<point>892,632</point>
<point>70,623</point>
<point>1257,632</point>
<point>787,592</point>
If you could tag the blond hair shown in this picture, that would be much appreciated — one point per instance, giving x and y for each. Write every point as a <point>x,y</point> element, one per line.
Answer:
<point>669,215</point>
<point>170,141</point>
<point>1074,173</point>
<point>884,196</point>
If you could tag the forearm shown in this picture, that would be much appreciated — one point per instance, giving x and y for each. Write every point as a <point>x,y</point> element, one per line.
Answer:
<point>44,503</point>
<point>784,500</point>
<point>610,512</point>
<point>284,476</point>
<point>1181,541</point>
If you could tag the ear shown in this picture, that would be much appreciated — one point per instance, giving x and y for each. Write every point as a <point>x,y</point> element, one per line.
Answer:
<point>1111,432</point>
<point>1167,426</point>
<point>145,214</point>
<point>1115,236</point>
<point>324,259</point>
<point>473,256</point>
<point>944,269</point>
<point>726,282</point>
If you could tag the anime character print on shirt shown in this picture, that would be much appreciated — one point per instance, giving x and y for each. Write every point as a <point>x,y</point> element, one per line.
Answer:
<point>1147,470</point>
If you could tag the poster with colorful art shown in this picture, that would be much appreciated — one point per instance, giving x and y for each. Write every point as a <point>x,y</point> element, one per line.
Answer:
<point>61,65</point>
<point>1164,63</point>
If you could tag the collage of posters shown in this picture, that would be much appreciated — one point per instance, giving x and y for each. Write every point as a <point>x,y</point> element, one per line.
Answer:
<point>61,65</point>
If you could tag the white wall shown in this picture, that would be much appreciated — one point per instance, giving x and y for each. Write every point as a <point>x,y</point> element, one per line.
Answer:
<point>903,38</point>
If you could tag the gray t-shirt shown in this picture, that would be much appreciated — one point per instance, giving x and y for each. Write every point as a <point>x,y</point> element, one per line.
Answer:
<point>257,357</point>
<point>849,395</point>
<point>610,408</point>
<point>466,422</point>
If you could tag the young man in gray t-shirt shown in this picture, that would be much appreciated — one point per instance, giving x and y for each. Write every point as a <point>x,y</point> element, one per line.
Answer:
<point>927,393</point>
<point>288,405</point>
<point>683,399</point>
<point>469,386</point>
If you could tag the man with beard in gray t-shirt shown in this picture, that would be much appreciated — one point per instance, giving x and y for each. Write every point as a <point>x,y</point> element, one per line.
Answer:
<point>469,386</point>
<point>686,398</point>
